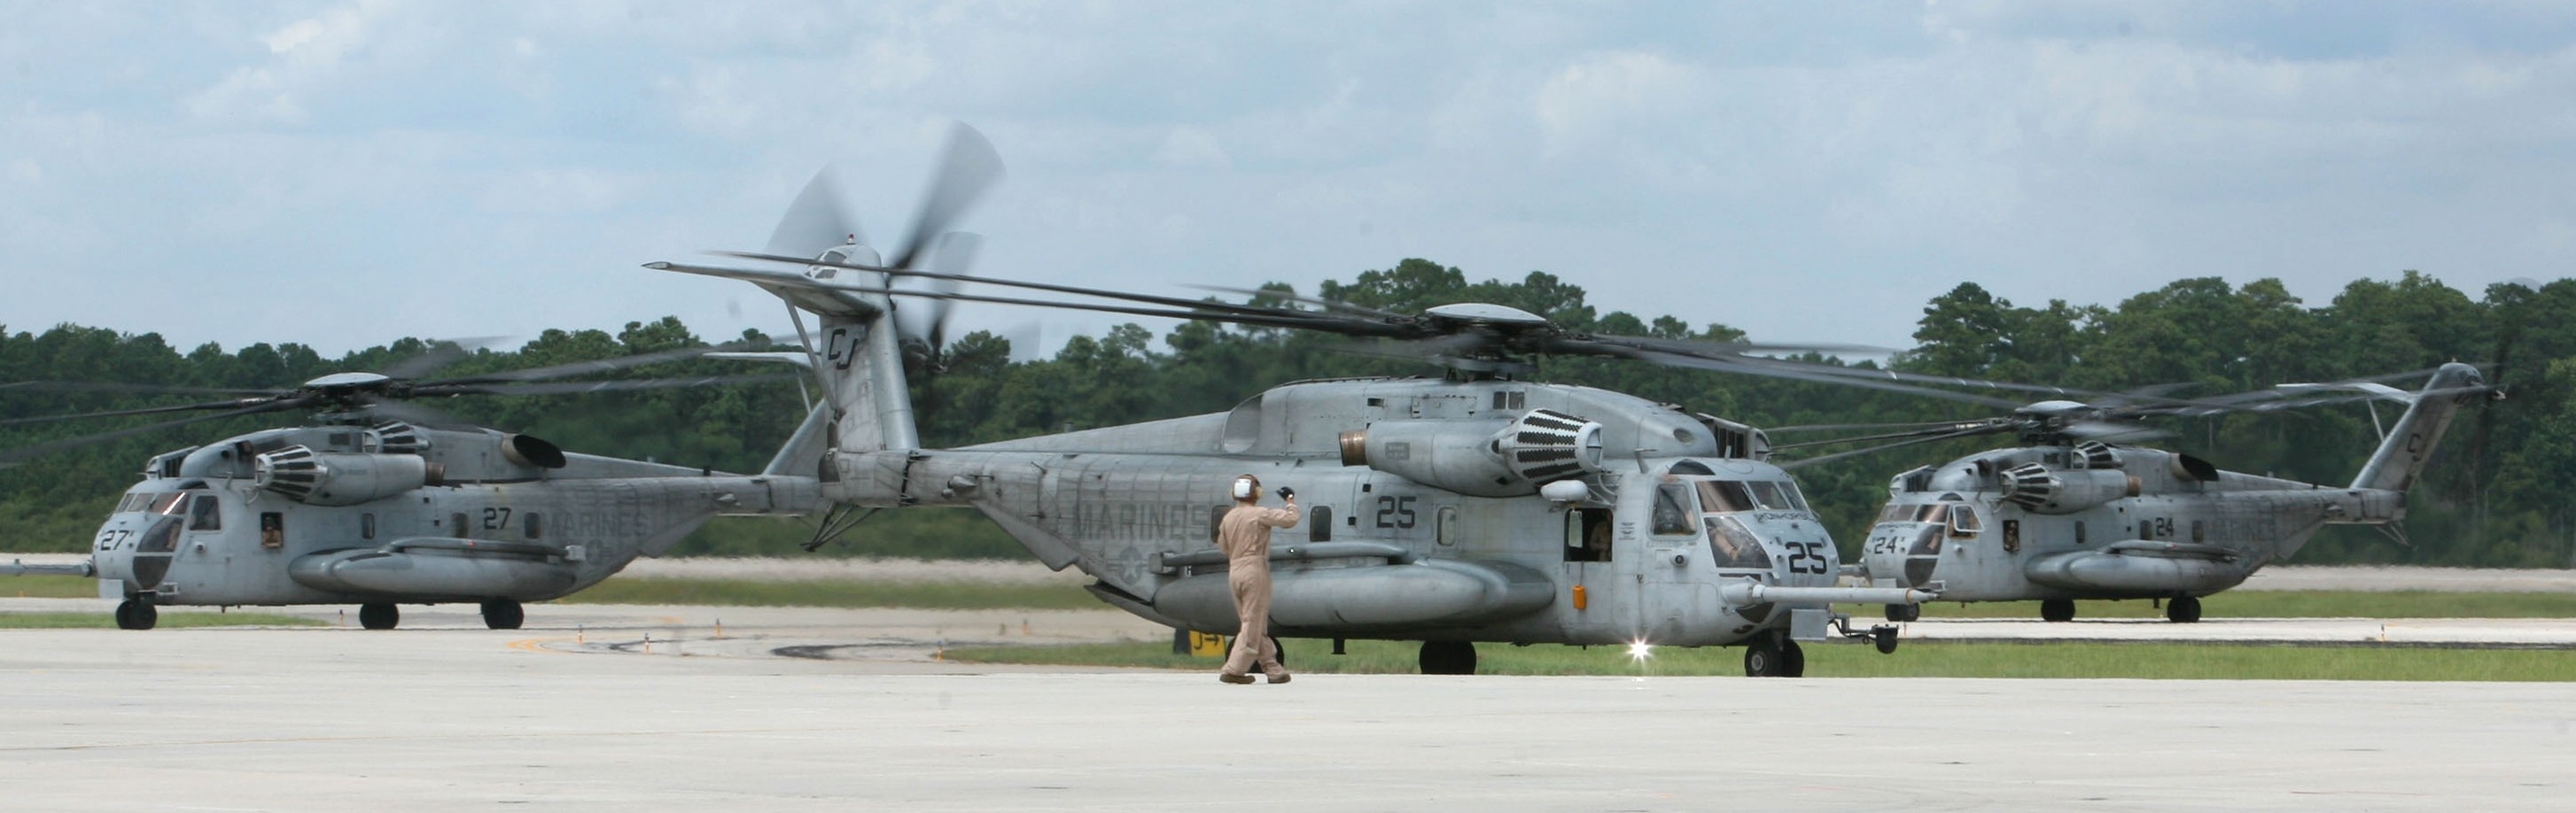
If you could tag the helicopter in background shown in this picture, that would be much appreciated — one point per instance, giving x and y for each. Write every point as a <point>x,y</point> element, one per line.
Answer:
<point>371,504</point>
<point>1473,507</point>
<point>2070,515</point>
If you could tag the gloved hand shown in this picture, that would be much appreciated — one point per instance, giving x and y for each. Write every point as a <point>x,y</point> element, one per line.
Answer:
<point>1287,493</point>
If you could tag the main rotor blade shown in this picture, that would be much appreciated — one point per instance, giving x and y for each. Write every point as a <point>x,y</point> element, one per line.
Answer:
<point>120,386</point>
<point>967,169</point>
<point>597,366</point>
<point>26,452</point>
<point>1327,304</point>
<point>1984,427</point>
<point>815,222</point>
<point>442,352</point>
<point>237,403</point>
<point>626,385</point>
<point>1803,463</point>
<point>1104,293</point>
<point>1775,369</point>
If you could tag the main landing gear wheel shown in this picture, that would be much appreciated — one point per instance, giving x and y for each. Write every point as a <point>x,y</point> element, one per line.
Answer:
<point>501,614</point>
<point>136,614</point>
<point>378,616</point>
<point>2057,609</point>
<point>1905,612</point>
<point>1774,656</point>
<point>2183,610</point>
<point>1448,658</point>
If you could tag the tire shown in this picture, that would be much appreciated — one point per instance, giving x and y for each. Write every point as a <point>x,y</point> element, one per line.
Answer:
<point>1764,658</point>
<point>1282,649</point>
<point>2057,609</point>
<point>503,614</point>
<point>1448,658</point>
<point>136,614</point>
<point>1904,613</point>
<point>2183,610</point>
<point>1793,659</point>
<point>378,616</point>
<point>1885,639</point>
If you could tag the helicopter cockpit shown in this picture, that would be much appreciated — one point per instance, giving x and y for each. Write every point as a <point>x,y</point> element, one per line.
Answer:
<point>1725,510</point>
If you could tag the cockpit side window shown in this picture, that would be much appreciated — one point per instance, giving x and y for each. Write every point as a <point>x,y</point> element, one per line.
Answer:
<point>1963,521</point>
<point>1723,496</point>
<point>205,513</point>
<point>1672,514</point>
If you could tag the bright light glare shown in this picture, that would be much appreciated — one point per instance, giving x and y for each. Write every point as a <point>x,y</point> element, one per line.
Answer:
<point>1640,651</point>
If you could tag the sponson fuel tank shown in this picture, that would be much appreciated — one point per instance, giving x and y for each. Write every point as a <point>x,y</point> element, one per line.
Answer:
<point>1430,591</point>
<point>439,566</point>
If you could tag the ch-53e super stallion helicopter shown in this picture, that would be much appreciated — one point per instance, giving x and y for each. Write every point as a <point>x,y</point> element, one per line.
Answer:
<point>2067,516</point>
<point>366,505</point>
<point>1472,507</point>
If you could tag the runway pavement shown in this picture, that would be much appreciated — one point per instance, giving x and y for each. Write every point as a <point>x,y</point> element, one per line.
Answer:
<point>574,715</point>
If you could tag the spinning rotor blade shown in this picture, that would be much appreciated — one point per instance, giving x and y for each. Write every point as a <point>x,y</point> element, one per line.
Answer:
<point>21,453</point>
<point>800,280</point>
<point>598,366</point>
<point>238,403</point>
<point>814,223</point>
<point>954,260</point>
<point>1327,304</point>
<point>119,386</point>
<point>581,387</point>
<point>967,169</point>
<point>1966,433</point>
<point>1945,430</point>
<point>442,352</point>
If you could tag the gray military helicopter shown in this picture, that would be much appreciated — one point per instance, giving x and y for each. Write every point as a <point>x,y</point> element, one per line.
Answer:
<point>1476,506</point>
<point>369,504</point>
<point>2069,514</point>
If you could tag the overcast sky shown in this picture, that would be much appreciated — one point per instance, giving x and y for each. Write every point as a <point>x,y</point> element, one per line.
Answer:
<point>344,174</point>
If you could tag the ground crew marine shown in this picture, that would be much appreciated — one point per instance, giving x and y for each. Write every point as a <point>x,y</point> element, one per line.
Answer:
<point>1244,535</point>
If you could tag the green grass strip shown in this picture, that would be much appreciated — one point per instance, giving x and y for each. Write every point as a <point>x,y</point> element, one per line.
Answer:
<point>107,620</point>
<point>1925,659</point>
<point>2282,604</point>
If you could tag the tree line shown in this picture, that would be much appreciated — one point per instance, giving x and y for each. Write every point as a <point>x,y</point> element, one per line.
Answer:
<point>2498,493</point>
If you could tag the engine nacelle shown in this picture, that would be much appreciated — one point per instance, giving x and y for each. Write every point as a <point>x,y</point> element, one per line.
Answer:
<point>2035,487</point>
<point>1480,458</point>
<point>342,478</point>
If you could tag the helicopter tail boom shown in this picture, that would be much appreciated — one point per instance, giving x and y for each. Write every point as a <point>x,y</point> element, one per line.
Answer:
<point>2409,444</point>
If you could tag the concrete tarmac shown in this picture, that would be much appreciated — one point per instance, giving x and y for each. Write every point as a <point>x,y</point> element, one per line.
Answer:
<point>575,716</point>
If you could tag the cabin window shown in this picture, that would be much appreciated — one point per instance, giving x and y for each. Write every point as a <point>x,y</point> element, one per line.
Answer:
<point>1673,512</point>
<point>1587,535</point>
<point>1319,524</point>
<point>1445,532</point>
<point>367,526</point>
<point>2012,535</point>
<point>456,525</point>
<point>1734,545</point>
<point>2196,534</point>
<point>2146,529</point>
<point>1216,522</point>
<point>533,525</point>
<point>2079,533</point>
<point>205,514</point>
<point>272,530</point>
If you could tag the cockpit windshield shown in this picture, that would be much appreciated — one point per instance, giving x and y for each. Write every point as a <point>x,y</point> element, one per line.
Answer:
<point>1728,496</point>
<point>1733,545</point>
<point>167,503</point>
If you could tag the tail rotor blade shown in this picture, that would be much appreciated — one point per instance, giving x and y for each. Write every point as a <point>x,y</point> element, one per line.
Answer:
<point>969,168</point>
<point>815,222</point>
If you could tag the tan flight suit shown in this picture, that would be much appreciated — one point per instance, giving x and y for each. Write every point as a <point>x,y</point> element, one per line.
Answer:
<point>1244,535</point>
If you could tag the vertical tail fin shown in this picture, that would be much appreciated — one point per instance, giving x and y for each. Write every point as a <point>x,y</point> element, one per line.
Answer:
<point>2404,450</point>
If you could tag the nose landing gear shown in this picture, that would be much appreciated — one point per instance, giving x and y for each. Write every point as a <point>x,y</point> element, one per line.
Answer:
<point>136,614</point>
